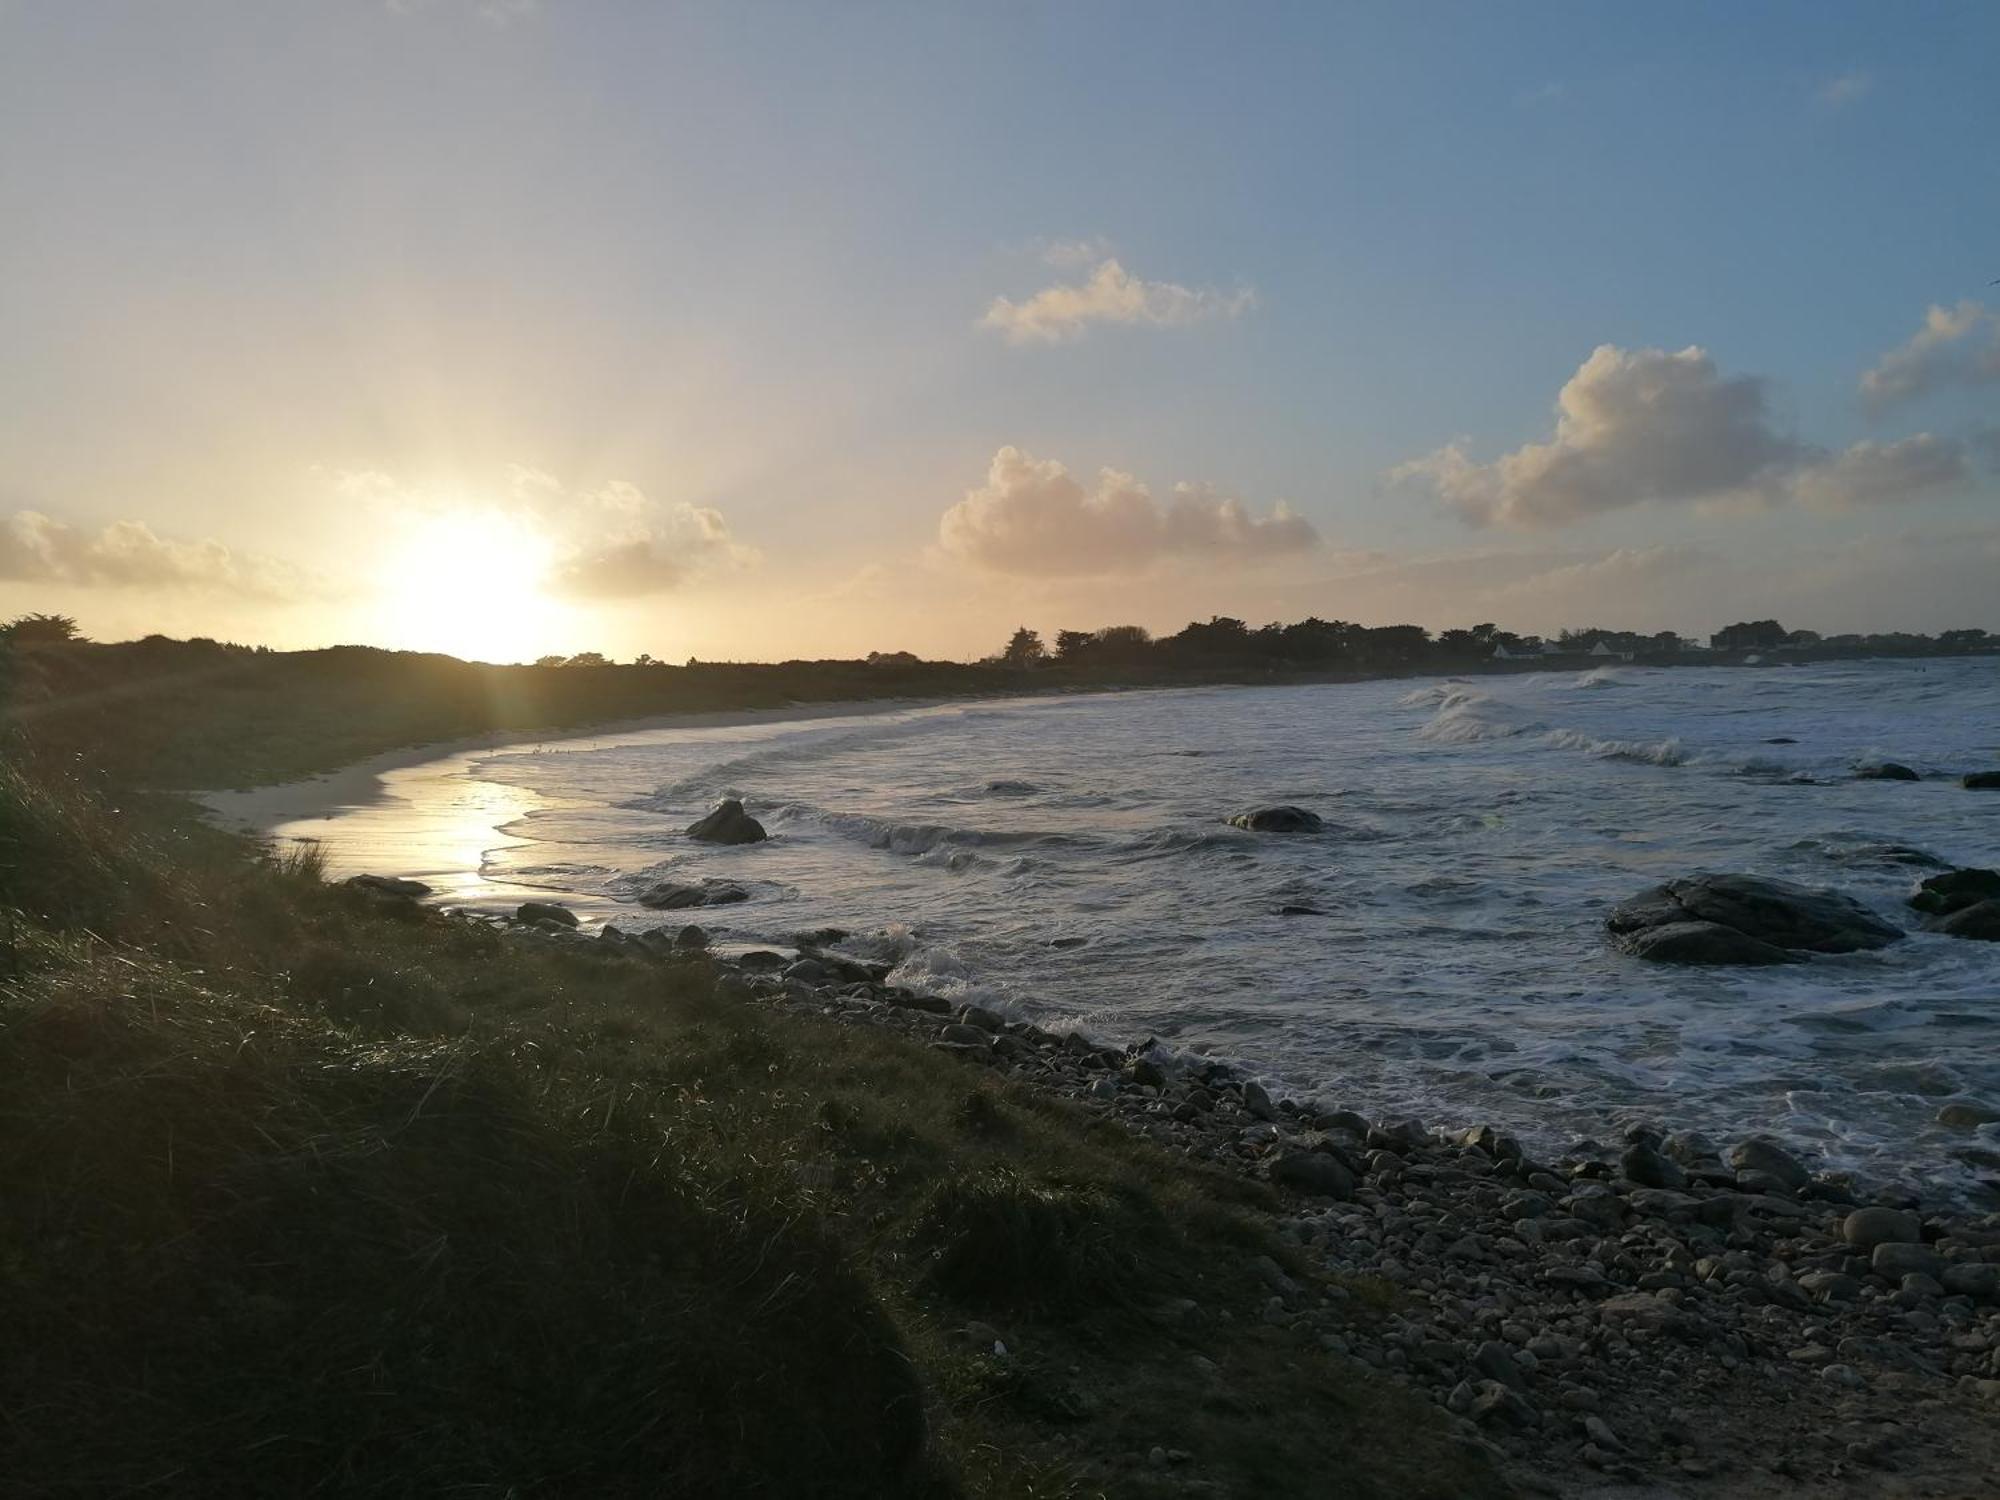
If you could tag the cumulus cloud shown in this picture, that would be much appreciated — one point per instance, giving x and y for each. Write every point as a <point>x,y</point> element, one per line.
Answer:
<point>659,549</point>
<point>36,548</point>
<point>1848,88</point>
<point>1955,346</point>
<point>1631,426</point>
<point>1033,517</point>
<point>1635,426</point>
<point>1876,473</point>
<point>1063,312</point>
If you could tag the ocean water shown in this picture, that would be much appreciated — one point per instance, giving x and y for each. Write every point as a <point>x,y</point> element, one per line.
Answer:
<point>1066,859</point>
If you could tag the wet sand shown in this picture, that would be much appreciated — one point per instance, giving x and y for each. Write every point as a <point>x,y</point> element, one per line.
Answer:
<point>424,813</point>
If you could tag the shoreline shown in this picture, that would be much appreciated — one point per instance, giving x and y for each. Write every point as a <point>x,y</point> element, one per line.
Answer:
<point>363,783</point>
<point>1646,1314</point>
<point>419,812</point>
<point>1655,1312</point>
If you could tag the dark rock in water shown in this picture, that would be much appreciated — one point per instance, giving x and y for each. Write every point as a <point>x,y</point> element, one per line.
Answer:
<point>1068,942</point>
<point>728,824</point>
<point>1981,922</point>
<point>761,961</point>
<point>1968,1115</point>
<point>1312,1172</point>
<point>1887,770</point>
<point>1903,854</point>
<point>1941,895</point>
<point>1986,781</point>
<point>1677,922</point>
<point>1278,820</point>
<point>1701,943</point>
<point>387,885</point>
<point>1781,739</point>
<point>691,938</point>
<point>544,911</point>
<point>1297,910</point>
<point>670,895</point>
<point>819,937</point>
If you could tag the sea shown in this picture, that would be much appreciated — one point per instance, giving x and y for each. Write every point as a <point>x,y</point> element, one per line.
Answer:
<point>1437,951</point>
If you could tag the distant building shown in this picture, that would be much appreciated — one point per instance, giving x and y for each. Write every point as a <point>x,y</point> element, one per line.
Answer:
<point>1602,650</point>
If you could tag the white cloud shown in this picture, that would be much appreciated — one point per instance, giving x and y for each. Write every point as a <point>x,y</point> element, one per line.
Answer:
<point>1033,518</point>
<point>35,548</point>
<point>1876,473</point>
<point>1068,253</point>
<point>1846,89</point>
<point>1059,313</point>
<point>1632,426</point>
<point>659,548</point>
<point>1548,93</point>
<point>1955,346</point>
<point>1637,426</point>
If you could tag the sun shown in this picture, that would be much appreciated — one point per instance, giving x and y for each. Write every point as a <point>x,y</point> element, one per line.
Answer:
<point>469,583</point>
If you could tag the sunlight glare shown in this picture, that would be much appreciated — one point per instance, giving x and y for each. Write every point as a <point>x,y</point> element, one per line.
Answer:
<point>469,583</point>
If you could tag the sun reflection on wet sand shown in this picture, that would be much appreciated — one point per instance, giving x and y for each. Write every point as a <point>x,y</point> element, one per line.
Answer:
<point>434,823</point>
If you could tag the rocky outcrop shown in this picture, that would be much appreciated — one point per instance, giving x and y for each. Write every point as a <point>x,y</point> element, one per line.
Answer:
<point>1980,921</point>
<point>1886,770</point>
<point>728,824</point>
<point>1983,781</point>
<point>393,887</point>
<point>1961,903</point>
<point>544,911</point>
<point>1282,819</point>
<point>673,895</point>
<point>1743,919</point>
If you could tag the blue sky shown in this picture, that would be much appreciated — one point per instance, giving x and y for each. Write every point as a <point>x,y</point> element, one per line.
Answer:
<point>683,318</point>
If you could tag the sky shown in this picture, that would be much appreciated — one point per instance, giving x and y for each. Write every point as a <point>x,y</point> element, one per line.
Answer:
<point>751,330</point>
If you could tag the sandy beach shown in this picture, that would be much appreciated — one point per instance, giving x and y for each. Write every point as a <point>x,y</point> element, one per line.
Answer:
<point>423,813</point>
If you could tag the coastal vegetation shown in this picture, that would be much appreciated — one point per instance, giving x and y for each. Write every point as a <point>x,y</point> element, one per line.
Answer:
<point>315,1192</point>
<point>203,713</point>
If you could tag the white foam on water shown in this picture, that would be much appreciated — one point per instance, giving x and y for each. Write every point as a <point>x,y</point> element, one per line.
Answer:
<point>1066,859</point>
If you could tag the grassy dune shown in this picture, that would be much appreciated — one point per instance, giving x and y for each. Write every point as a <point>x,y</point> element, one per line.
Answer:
<point>308,1197</point>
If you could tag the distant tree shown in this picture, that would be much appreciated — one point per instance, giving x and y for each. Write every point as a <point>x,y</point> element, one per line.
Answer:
<point>41,630</point>
<point>1024,649</point>
<point>1462,642</point>
<point>588,659</point>
<point>1749,635</point>
<point>1072,646</point>
<point>1959,640</point>
<point>550,661</point>
<point>646,659</point>
<point>1123,645</point>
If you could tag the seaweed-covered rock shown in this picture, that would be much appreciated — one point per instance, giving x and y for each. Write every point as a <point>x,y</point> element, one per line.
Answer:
<point>1743,919</point>
<point>671,895</point>
<point>1980,921</point>
<point>1278,820</point>
<point>1985,781</point>
<point>1941,895</point>
<point>1886,770</point>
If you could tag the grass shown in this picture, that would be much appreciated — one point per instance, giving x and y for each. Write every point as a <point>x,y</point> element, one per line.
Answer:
<point>304,1196</point>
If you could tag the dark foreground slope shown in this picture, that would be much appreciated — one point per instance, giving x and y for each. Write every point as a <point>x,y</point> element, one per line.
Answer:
<point>304,1196</point>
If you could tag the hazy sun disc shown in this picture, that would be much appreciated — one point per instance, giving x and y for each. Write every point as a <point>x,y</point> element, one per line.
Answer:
<point>469,583</point>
